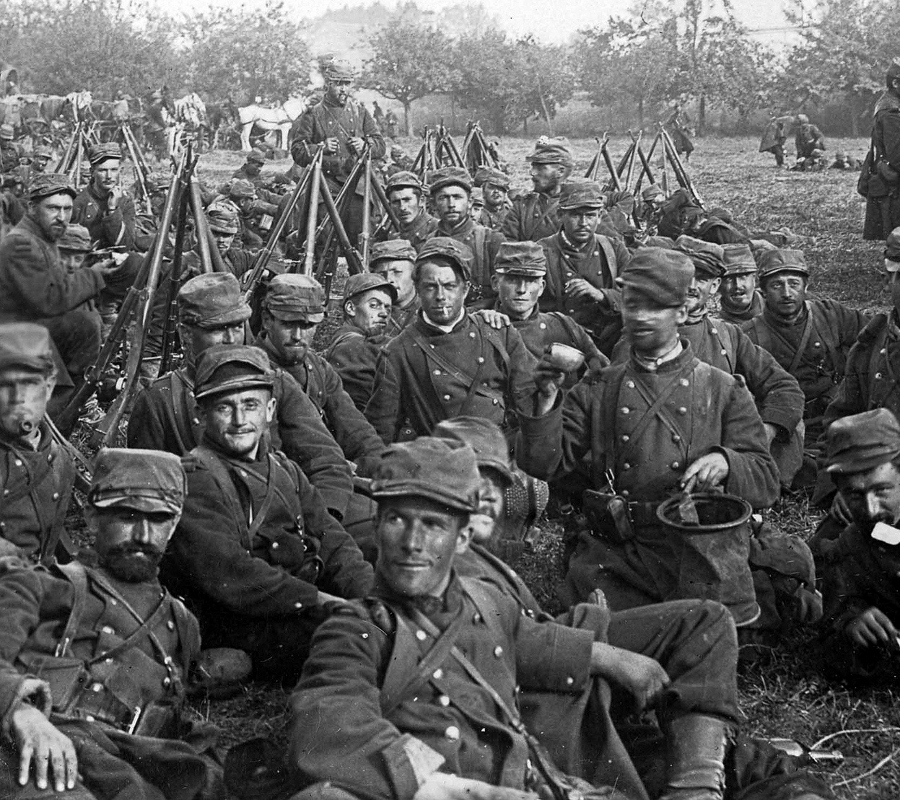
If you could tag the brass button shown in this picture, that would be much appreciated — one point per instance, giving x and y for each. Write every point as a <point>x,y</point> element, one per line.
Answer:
<point>421,636</point>
<point>446,397</point>
<point>675,465</point>
<point>480,359</point>
<point>452,733</point>
<point>437,372</point>
<point>625,437</point>
<point>676,437</point>
<point>682,410</point>
<point>686,382</point>
<point>498,651</point>
<point>626,466</point>
<point>298,605</point>
<point>625,410</point>
<point>167,681</point>
<point>543,326</point>
<point>443,700</point>
<point>438,674</point>
<point>170,625</point>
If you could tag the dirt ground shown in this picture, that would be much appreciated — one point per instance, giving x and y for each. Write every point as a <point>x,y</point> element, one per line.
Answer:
<point>787,696</point>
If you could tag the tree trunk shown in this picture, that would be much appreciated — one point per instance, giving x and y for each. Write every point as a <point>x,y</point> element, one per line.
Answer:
<point>701,117</point>
<point>525,127</point>
<point>640,110</point>
<point>854,115</point>
<point>407,120</point>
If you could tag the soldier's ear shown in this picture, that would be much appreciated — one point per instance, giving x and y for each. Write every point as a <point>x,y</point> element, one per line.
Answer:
<point>464,537</point>
<point>271,407</point>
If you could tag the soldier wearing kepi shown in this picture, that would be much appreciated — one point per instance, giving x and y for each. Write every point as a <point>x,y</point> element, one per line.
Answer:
<point>536,215</point>
<point>739,298</point>
<point>395,261</point>
<point>211,311</point>
<point>96,657</point>
<point>495,186</point>
<point>405,193</point>
<point>345,127</point>
<point>661,423</point>
<point>447,363</point>
<point>882,179</point>
<point>36,474</point>
<point>257,555</point>
<point>102,206</point>
<point>860,570</point>
<point>582,265</point>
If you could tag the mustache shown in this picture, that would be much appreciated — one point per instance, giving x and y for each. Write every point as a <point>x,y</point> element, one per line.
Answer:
<point>132,548</point>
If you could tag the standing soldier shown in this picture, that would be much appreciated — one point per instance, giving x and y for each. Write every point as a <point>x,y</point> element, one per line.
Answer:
<point>495,186</point>
<point>739,299</point>
<point>774,137</point>
<point>535,216</point>
<point>9,153</point>
<point>882,180</point>
<point>345,127</point>
<point>405,192</point>
<point>102,206</point>
<point>395,261</point>
<point>155,127</point>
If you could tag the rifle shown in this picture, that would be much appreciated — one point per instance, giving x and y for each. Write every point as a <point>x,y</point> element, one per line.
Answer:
<point>366,235</point>
<point>677,167</point>
<point>312,216</point>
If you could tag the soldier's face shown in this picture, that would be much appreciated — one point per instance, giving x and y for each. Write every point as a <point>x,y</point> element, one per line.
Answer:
<point>579,224</point>
<point>872,496</point>
<point>452,205</point>
<point>737,291</point>
<point>290,338</point>
<point>236,421</point>
<point>441,291</point>
<point>494,196</point>
<point>369,311</point>
<point>338,91</point>
<point>24,395</point>
<point>224,241</point>
<point>105,175</point>
<point>130,543</point>
<point>785,294</point>
<point>39,163</point>
<point>650,327</point>
<point>417,542</point>
<point>398,274</point>
<point>71,260</point>
<point>491,507</point>
<point>702,288</point>
<point>52,215</point>
<point>253,168</point>
<point>406,204</point>
<point>198,340</point>
<point>546,177</point>
<point>517,294</point>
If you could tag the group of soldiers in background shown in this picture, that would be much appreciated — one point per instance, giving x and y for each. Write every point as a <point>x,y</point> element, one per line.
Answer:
<point>336,508</point>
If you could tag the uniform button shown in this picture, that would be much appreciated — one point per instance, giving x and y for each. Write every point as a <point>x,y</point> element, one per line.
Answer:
<point>625,437</point>
<point>817,344</point>
<point>883,350</point>
<point>107,629</point>
<point>625,493</point>
<point>437,372</point>
<point>56,495</point>
<point>597,253</point>
<point>421,636</point>
<point>495,401</point>
<point>298,605</point>
<point>446,397</point>
<point>543,326</point>
<point>629,384</point>
<point>877,376</point>
<point>471,334</point>
<point>724,352</point>
<point>570,680</point>
<point>274,545</point>
<point>97,687</point>
<point>437,674</point>
<point>89,718</point>
<point>167,681</point>
<point>480,359</point>
<point>569,274</point>
<point>170,625</point>
<point>625,410</point>
<point>18,462</point>
<point>686,382</point>
<point>5,492</point>
<point>364,635</point>
<point>195,421</point>
<point>676,437</point>
<point>713,330</point>
<point>476,617</point>
<point>108,661</point>
<point>682,410</point>
<point>498,651</point>
<point>443,700</point>
<point>452,733</point>
<point>626,466</point>
<point>675,465</point>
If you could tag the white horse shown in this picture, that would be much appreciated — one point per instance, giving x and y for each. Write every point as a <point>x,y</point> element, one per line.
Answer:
<point>279,119</point>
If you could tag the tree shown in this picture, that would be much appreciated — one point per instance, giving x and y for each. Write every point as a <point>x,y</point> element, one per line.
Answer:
<point>411,60</point>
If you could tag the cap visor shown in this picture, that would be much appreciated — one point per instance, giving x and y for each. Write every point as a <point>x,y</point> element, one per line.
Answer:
<point>144,503</point>
<point>415,489</point>
<point>236,385</point>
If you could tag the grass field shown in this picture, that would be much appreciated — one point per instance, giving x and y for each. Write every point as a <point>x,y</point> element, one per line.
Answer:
<point>787,696</point>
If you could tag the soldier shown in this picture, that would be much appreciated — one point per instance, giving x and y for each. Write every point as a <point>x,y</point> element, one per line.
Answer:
<point>880,182</point>
<point>811,339</point>
<point>774,137</point>
<point>102,206</point>
<point>451,189</point>
<point>447,363</point>
<point>224,223</point>
<point>40,157</point>
<point>810,144</point>
<point>859,577</point>
<point>211,311</point>
<point>251,169</point>
<point>9,153</point>
<point>535,216</point>
<point>495,187</point>
<point>395,260</point>
<point>96,655</point>
<point>739,298</point>
<point>415,692</point>
<point>255,216</point>
<point>158,120</point>
<point>346,128</point>
<point>355,346</point>
<point>661,423</point>
<point>257,555</point>
<point>582,265</point>
<point>36,474</point>
<point>404,191</point>
<point>34,286</point>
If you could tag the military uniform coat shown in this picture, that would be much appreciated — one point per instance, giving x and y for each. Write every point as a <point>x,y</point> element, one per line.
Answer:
<point>107,229</point>
<point>531,218</point>
<point>414,390</point>
<point>420,230</point>
<point>401,317</point>
<point>883,196</point>
<point>484,244</point>
<point>353,356</point>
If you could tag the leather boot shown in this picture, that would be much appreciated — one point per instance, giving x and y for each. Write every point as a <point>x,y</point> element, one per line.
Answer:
<point>696,757</point>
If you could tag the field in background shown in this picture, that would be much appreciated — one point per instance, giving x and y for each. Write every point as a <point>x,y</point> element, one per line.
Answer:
<point>786,696</point>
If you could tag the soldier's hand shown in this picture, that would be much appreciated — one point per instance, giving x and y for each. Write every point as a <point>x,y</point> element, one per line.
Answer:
<point>441,786</point>
<point>356,144</point>
<point>332,144</point>
<point>642,676</point>
<point>579,287</point>
<point>705,473</point>
<point>41,743</point>
<point>548,379</point>
<point>496,319</point>
<point>107,268</point>
<point>872,628</point>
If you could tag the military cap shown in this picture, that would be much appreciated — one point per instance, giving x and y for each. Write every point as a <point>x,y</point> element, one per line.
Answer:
<point>232,368</point>
<point>580,193</point>
<point>449,176</point>
<point>212,300</point>
<point>76,239</point>
<point>551,150</point>
<point>445,247</point>
<point>364,281</point>
<point>104,152</point>
<point>862,441</point>
<point>484,437</point>
<point>293,297</point>
<point>223,218</point>
<point>738,259</point>
<point>241,188</point>
<point>404,180</point>
<point>42,151</point>
<point>662,275</point>
<point>477,196</point>
<point>492,176</point>
<point>256,155</point>
<point>521,258</point>
<point>771,262</point>
<point>151,481</point>
<point>651,192</point>
<point>7,132</point>
<point>339,69</point>
<point>437,469</point>
<point>48,184</point>
<point>892,251</point>
<point>708,258</point>
<point>391,250</point>
<point>24,344</point>
<point>397,151</point>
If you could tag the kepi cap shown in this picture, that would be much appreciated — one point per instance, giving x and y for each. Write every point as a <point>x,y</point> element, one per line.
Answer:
<point>551,150</point>
<point>150,481</point>
<point>232,368</point>
<point>104,152</point>
<point>339,69</point>
<point>223,218</point>
<point>580,193</point>
<point>76,239</point>
<point>492,176</point>
<point>366,281</point>
<point>241,188</point>
<point>437,469</point>
<point>738,259</point>
<point>391,250</point>
<point>484,437</point>
<point>662,275</point>
<point>521,258</point>
<point>293,297</point>
<point>48,184</point>
<point>862,441</point>
<point>212,300</point>
<point>708,258</point>
<point>404,180</point>
<point>445,247</point>
<point>449,176</point>
<point>771,262</point>
<point>26,345</point>
<point>7,132</point>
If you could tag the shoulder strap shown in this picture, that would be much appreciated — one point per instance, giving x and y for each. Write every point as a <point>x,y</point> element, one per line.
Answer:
<point>804,340</point>
<point>610,253</point>
<point>603,424</point>
<point>76,574</point>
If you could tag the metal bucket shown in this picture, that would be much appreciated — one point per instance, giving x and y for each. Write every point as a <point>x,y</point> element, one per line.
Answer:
<point>714,554</point>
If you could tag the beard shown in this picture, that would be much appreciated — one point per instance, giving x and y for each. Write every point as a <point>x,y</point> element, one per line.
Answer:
<point>133,563</point>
